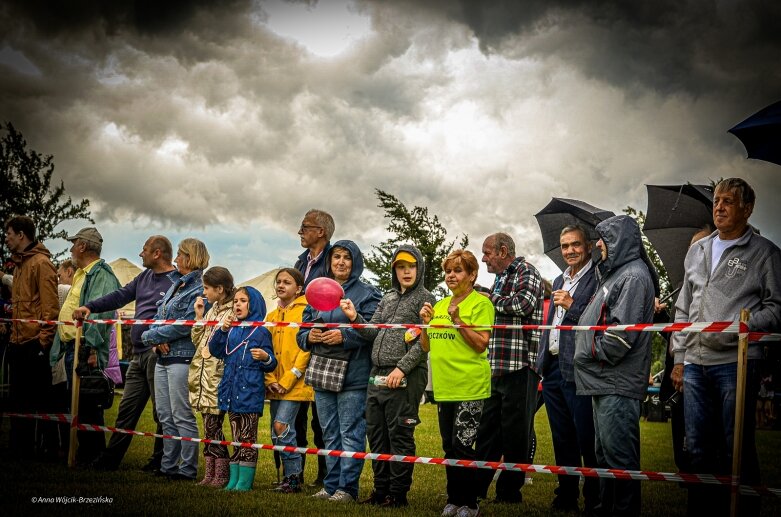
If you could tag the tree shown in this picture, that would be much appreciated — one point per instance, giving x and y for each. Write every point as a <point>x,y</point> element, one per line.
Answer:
<point>25,180</point>
<point>414,227</point>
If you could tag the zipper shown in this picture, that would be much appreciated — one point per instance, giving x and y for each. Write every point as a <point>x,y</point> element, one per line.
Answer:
<point>393,316</point>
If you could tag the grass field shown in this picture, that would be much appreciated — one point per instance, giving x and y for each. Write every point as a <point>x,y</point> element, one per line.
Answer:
<point>136,493</point>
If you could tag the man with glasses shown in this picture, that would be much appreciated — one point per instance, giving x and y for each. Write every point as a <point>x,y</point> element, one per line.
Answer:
<point>569,415</point>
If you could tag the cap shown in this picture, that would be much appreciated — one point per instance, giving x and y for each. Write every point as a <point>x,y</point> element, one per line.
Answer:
<point>405,256</point>
<point>89,234</point>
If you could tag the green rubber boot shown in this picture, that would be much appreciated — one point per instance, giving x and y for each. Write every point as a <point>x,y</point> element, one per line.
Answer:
<point>246,477</point>
<point>234,477</point>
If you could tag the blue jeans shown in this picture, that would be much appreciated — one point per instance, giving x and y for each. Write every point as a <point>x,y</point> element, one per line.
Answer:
<point>177,418</point>
<point>285,412</point>
<point>342,417</point>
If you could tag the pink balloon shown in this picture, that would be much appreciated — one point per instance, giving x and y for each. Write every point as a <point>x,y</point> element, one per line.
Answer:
<point>324,294</point>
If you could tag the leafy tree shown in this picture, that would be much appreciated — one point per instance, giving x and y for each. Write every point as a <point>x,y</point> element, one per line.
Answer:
<point>25,179</point>
<point>411,226</point>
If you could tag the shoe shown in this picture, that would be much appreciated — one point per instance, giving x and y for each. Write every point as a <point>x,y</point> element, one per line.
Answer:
<point>450,510</point>
<point>233,476</point>
<point>180,477</point>
<point>340,496</point>
<point>209,476</point>
<point>322,494</point>
<point>562,504</point>
<point>375,499</point>
<point>151,466</point>
<point>246,478</point>
<point>465,511</point>
<point>393,501</point>
<point>221,472</point>
<point>290,485</point>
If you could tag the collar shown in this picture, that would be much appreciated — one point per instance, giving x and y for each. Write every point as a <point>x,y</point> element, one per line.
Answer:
<point>579,274</point>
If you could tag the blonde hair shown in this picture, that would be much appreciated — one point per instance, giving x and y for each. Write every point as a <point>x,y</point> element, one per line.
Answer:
<point>197,255</point>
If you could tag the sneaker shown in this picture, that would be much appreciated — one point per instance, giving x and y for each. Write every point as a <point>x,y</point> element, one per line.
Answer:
<point>340,496</point>
<point>322,494</point>
<point>465,511</point>
<point>289,485</point>
<point>450,510</point>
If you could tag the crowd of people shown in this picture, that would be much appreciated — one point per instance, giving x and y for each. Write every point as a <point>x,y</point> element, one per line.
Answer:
<point>366,384</point>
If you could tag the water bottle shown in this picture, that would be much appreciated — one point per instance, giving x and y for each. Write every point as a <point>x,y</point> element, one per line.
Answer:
<point>382,381</point>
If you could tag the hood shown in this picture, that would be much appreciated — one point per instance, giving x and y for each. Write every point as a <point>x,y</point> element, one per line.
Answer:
<point>621,235</point>
<point>299,301</point>
<point>257,305</point>
<point>36,249</point>
<point>421,263</point>
<point>355,252</point>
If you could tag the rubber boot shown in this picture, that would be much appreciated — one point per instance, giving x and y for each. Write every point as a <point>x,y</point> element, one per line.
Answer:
<point>246,477</point>
<point>221,472</point>
<point>209,476</point>
<point>234,476</point>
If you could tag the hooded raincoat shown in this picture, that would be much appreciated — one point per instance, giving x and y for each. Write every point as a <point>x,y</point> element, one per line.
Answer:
<point>291,360</point>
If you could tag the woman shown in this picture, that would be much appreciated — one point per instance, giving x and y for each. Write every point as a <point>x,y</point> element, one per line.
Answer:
<point>341,404</point>
<point>460,373</point>
<point>174,346</point>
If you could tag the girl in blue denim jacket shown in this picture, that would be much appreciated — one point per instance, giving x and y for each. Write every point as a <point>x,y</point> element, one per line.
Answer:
<point>248,354</point>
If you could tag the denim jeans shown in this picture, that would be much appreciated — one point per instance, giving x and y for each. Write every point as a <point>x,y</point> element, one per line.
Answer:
<point>285,412</point>
<point>709,411</point>
<point>177,418</point>
<point>342,417</point>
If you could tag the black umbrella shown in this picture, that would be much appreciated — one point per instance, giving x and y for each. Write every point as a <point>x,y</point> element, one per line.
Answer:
<point>761,134</point>
<point>562,212</point>
<point>675,213</point>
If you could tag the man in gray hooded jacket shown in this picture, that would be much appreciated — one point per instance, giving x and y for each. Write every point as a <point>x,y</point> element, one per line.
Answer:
<point>612,366</point>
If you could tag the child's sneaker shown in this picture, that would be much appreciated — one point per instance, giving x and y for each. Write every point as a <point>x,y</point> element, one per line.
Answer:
<point>340,496</point>
<point>465,511</point>
<point>450,510</point>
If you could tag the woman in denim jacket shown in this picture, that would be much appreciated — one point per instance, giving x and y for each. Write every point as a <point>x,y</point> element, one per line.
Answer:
<point>174,347</point>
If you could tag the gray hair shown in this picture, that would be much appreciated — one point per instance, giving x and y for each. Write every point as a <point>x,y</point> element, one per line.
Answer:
<point>740,187</point>
<point>92,247</point>
<point>502,239</point>
<point>324,220</point>
<point>575,228</point>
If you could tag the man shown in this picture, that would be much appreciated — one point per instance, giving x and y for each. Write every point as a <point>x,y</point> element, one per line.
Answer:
<point>508,414</point>
<point>613,366</point>
<point>147,289</point>
<point>93,279</point>
<point>569,414</point>
<point>731,269</point>
<point>33,296</point>
<point>316,231</point>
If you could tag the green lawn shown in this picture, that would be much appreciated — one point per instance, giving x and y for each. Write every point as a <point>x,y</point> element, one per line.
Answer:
<point>135,492</point>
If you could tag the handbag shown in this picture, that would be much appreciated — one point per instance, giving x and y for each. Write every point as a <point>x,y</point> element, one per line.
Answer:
<point>326,373</point>
<point>96,389</point>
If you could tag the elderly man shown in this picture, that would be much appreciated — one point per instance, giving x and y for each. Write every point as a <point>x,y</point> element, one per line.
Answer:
<point>33,296</point>
<point>612,366</point>
<point>508,414</point>
<point>731,269</point>
<point>93,279</point>
<point>569,414</point>
<point>147,289</point>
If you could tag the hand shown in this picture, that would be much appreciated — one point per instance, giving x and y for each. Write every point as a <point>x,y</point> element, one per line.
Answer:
<point>226,324</point>
<point>452,310</point>
<point>259,354</point>
<point>659,307</point>
<point>394,378</point>
<point>163,348</point>
<point>199,307</point>
<point>426,313</point>
<point>81,313</point>
<point>676,376</point>
<point>333,337</point>
<point>315,336</point>
<point>348,309</point>
<point>562,298</point>
<point>92,360</point>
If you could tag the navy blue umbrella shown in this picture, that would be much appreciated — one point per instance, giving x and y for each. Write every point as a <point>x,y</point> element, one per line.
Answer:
<point>761,134</point>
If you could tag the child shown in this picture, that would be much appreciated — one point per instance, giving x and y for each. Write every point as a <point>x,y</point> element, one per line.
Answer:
<point>206,371</point>
<point>392,409</point>
<point>247,353</point>
<point>285,386</point>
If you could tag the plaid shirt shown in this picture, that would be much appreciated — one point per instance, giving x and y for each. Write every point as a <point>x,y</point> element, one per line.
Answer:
<point>517,295</point>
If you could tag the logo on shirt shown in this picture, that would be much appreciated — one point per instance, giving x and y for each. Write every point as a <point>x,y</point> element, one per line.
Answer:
<point>736,266</point>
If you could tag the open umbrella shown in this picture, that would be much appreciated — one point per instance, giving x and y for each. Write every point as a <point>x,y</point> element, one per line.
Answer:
<point>562,212</point>
<point>761,134</point>
<point>675,213</point>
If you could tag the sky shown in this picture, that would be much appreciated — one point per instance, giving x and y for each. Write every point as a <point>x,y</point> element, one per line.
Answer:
<point>226,121</point>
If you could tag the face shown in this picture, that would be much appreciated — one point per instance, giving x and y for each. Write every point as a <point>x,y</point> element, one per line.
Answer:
<point>241,305</point>
<point>213,294</point>
<point>495,260</point>
<point>77,252</point>
<point>310,232</point>
<point>65,275</point>
<point>728,214</point>
<point>406,273</point>
<point>181,260</point>
<point>286,287</point>
<point>341,264</point>
<point>14,241</point>
<point>603,249</point>
<point>575,249</point>
<point>148,255</point>
<point>457,279</point>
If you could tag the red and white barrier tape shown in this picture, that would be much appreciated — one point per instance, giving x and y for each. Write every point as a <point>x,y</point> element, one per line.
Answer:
<point>636,475</point>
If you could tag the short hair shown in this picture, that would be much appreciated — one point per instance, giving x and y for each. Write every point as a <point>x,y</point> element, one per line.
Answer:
<point>503,239</point>
<point>22,224</point>
<point>160,242</point>
<point>738,185</point>
<point>575,228</point>
<point>67,264</point>
<point>465,259</point>
<point>197,255</point>
<point>298,277</point>
<point>324,220</point>
<point>218,276</point>
<point>92,247</point>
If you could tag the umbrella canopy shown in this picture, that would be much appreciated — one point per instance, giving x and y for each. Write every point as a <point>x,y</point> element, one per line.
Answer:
<point>265,284</point>
<point>674,214</point>
<point>562,212</point>
<point>125,271</point>
<point>761,134</point>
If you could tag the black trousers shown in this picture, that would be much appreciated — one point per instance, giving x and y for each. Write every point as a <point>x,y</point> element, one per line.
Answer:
<point>302,419</point>
<point>30,391</point>
<point>458,424</point>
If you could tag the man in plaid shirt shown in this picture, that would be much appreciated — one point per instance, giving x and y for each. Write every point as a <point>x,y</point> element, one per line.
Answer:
<point>508,415</point>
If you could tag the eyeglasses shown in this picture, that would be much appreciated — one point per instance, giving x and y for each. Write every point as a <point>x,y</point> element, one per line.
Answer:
<point>305,227</point>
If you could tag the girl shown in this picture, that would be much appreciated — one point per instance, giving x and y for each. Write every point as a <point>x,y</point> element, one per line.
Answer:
<point>247,353</point>
<point>206,371</point>
<point>285,386</point>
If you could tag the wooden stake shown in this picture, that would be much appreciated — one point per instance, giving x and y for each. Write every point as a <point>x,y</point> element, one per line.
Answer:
<point>75,388</point>
<point>740,403</point>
